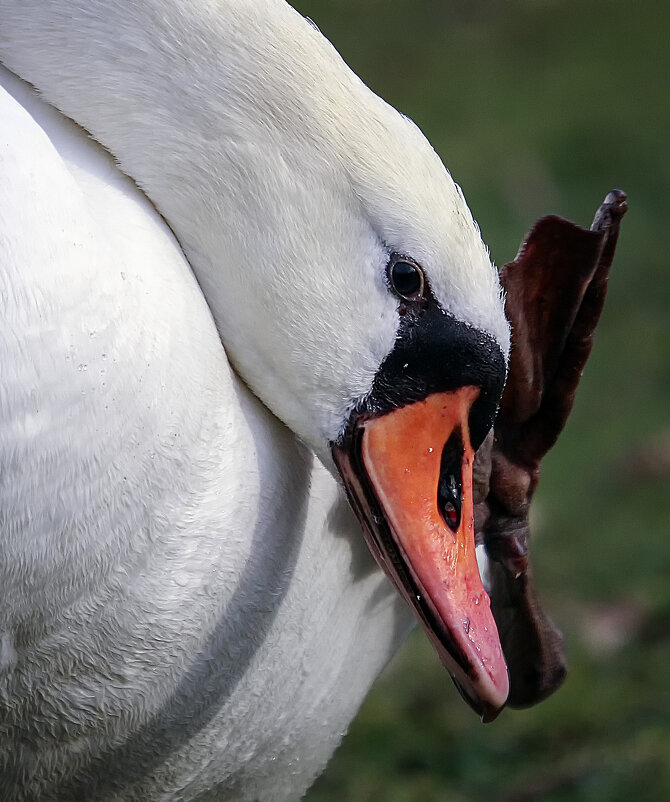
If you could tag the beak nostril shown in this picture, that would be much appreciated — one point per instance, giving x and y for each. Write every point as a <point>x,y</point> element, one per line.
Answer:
<point>450,483</point>
<point>451,515</point>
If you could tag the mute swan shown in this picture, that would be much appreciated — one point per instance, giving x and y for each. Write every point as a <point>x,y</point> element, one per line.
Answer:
<point>188,609</point>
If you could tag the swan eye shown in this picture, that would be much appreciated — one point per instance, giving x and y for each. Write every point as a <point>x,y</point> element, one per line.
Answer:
<point>406,278</point>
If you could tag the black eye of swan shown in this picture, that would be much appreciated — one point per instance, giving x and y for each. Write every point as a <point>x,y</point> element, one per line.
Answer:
<point>406,277</point>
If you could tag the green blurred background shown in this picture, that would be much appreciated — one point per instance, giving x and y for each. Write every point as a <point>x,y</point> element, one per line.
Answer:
<point>536,107</point>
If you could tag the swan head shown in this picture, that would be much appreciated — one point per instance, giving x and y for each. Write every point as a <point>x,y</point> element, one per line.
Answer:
<point>406,451</point>
<point>369,318</point>
<point>378,335</point>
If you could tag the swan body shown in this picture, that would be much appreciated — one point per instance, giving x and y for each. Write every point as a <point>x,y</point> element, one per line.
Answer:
<point>188,610</point>
<point>201,549</point>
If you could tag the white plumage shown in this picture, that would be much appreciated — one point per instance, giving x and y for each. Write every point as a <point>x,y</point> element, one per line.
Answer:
<point>188,609</point>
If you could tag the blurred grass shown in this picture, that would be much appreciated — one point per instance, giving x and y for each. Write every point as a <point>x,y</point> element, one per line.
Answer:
<point>541,106</point>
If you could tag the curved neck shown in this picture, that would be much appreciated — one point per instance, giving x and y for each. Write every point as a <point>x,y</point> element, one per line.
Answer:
<point>196,100</point>
<point>270,160</point>
<point>222,113</point>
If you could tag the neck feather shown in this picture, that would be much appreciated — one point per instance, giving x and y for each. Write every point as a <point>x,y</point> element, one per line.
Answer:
<point>222,112</point>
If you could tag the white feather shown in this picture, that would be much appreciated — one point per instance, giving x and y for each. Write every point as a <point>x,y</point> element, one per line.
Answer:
<point>284,178</point>
<point>181,578</point>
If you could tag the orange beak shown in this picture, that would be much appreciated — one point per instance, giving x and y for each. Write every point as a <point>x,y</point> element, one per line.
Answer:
<point>409,478</point>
